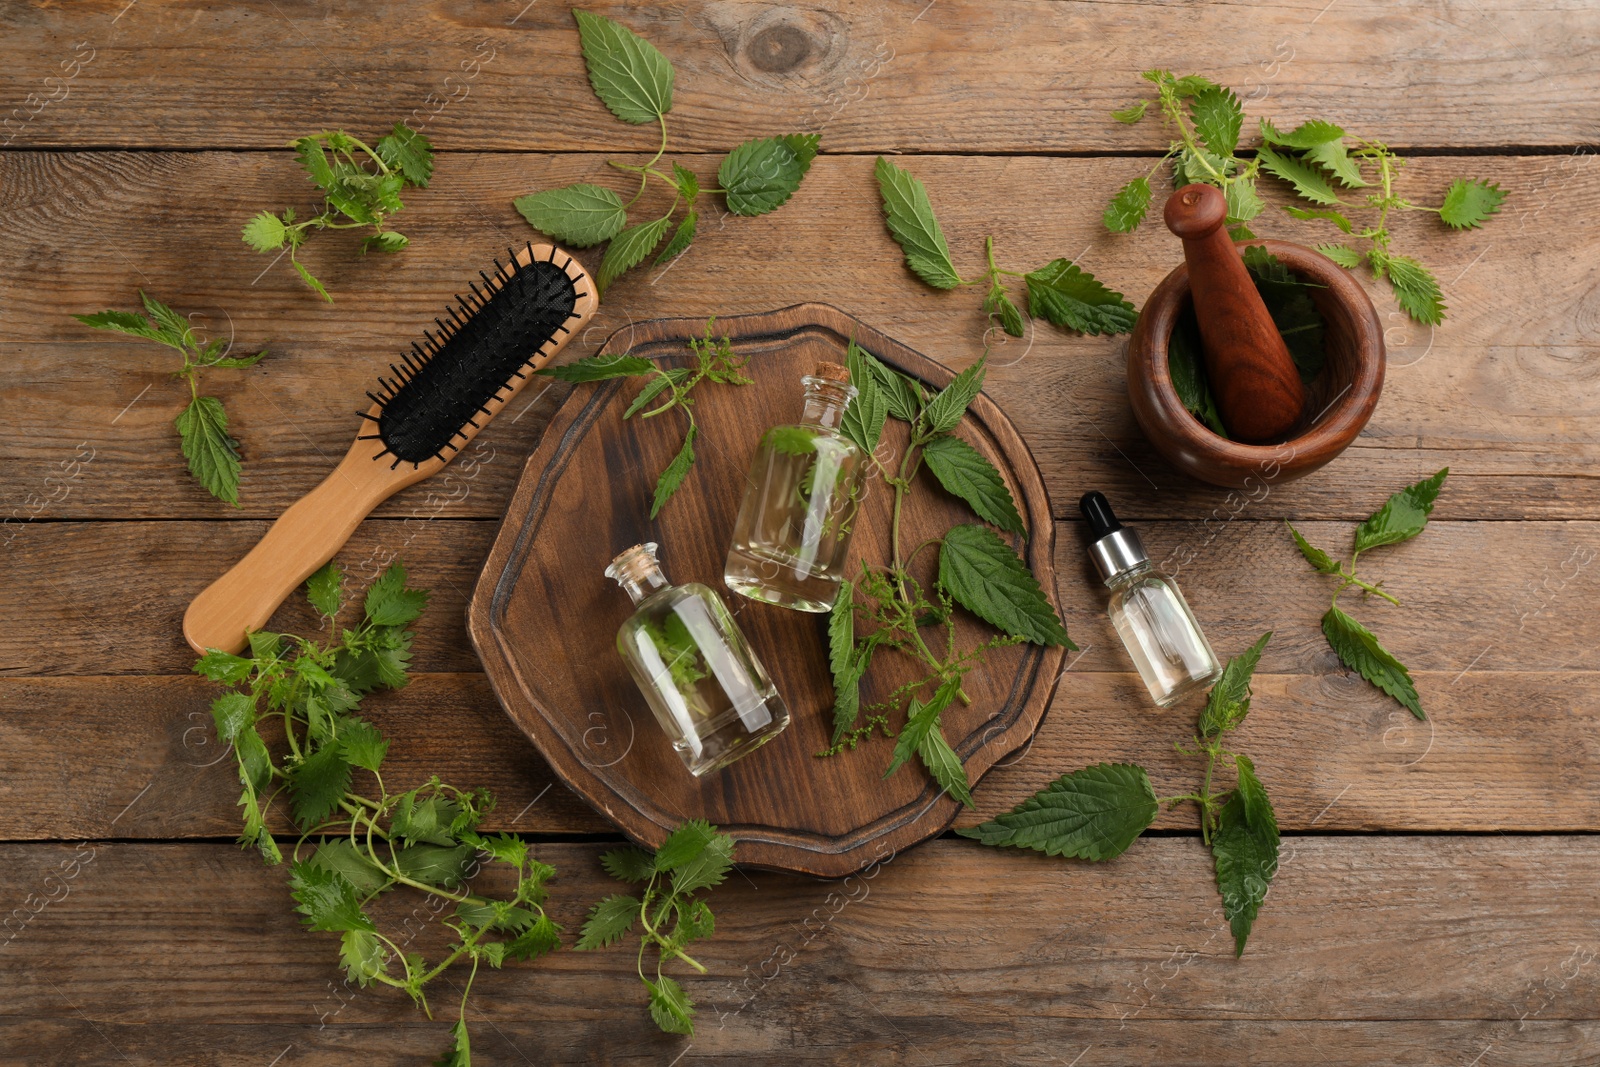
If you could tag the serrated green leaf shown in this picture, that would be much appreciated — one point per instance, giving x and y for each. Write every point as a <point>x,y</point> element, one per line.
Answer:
<point>439,865</point>
<point>628,864</point>
<point>1343,255</point>
<point>628,249</point>
<point>233,713</point>
<point>674,473</point>
<point>1244,203</point>
<point>255,762</point>
<point>426,819</point>
<point>759,176</point>
<point>1319,560</point>
<point>964,472</point>
<point>1244,847</point>
<point>390,603</point>
<point>1127,209</point>
<point>1071,297</point>
<point>1469,203</point>
<point>656,386</point>
<point>543,937</point>
<point>911,221</point>
<point>1186,367</point>
<point>1416,289</point>
<point>361,744</point>
<point>1192,85</point>
<point>790,440</point>
<point>867,411</point>
<point>1358,649</point>
<point>224,667</point>
<point>903,395</point>
<point>685,842</point>
<point>351,864</point>
<point>1091,814</point>
<point>608,921</point>
<point>459,1054</point>
<point>1132,113</point>
<point>1218,117</point>
<point>307,277</point>
<point>682,238</point>
<point>213,456</point>
<point>1306,179</point>
<point>984,575</point>
<point>127,322</point>
<point>1403,515</point>
<point>921,720</point>
<point>706,869</point>
<point>265,232</point>
<point>580,215</point>
<point>1328,215</point>
<point>804,146</point>
<point>686,182</point>
<point>670,1006</point>
<point>1306,135</point>
<point>695,921</point>
<point>842,630</point>
<point>998,303</point>
<point>409,152</point>
<point>1333,157</point>
<point>944,766</point>
<point>599,368</point>
<point>627,73</point>
<point>361,955</point>
<point>324,589</point>
<point>945,410</point>
<point>317,785</point>
<point>1229,700</point>
<point>1288,300</point>
<point>325,901</point>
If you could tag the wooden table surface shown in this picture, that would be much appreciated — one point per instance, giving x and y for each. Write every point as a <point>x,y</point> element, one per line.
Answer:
<point>1437,899</point>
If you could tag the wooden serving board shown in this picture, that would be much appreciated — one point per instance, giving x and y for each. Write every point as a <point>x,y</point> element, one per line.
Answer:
<point>544,618</point>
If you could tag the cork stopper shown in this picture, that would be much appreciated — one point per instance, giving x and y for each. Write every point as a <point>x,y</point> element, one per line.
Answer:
<point>832,372</point>
<point>634,564</point>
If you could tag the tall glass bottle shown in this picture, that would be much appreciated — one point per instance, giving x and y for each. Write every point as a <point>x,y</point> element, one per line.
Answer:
<point>693,665</point>
<point>794,526</point>
<point>1147,610</point>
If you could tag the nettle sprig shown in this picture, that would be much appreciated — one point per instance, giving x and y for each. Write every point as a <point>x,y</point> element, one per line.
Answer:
<point>669,915</point>
<point>886,608</point>
<point>202,425</point>
<point>1060,291</point>
<point>1402,517</point>
<point>1315,161</point>
<point>634,80</point>
<point>292,725</point>
<point>714,360</point>
<point>361,189</point>
<point>1096,813</point>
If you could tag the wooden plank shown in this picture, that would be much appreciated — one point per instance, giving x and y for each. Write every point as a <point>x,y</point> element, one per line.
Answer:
<point>1503,750</point>
<point>934,940</point>
<point>107,598</point>
<point>1505,392</point>
<point>1046,75</point>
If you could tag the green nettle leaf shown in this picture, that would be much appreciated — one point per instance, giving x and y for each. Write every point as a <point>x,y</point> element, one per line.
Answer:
<point>1333,157</point>
<point>1319,560</point>
<point>903,395</point>
<point>1186,367</point>
<point>910,218</point>
<point>670,1006</point>
<point>674,473</point>
<point>628,74</point>
<point>790,440</point>
<point>682,238</point>
<point>600,367</point>
<point>842,630</point>
<point>964,472</point>
<point>1307,180</point>
<point>608,921</point>
<point>945,410</point>
<point>1358,649</point>
<point>439,865</point>
<point>459,1054</point>
<point>390,603</point>
<point>1244,203</point>
<point>307,277</point>
<point>921,720</point>
<point>1416,289</point>
<point>998,302</point>
<point>233,712</point>
<point>628,864</point>
<point>869,408</point>
<point>1288,301</point>
<point>655,387</point>
<point>213,456</point>
<point>350,863</point>
<point>707,868</point>
<point>687,841</point>
<point>128,322</point>
<point>628,249</point>
<point>1127,209</point>
<point>1218,117</point>
<point>1132,113</point>
<point>264,233</point>
<point>1092,814</point>
<point>1469,202</point>
<point>984,575</point>
<point>361,955</point>
<point>1306,135</point>
<point>542,937</point>
<point>1328,215</point>
<point>1343,255</point>
<point>409,152</point>
<point>1229,700</point>
<point>1071,297</point>
<point>361,744</point>
<point>759,176</point>
<point>425,819</point>
<point>685,181</point>
<point>579,215</point>
<point>944,766</point>
<point>1244,847</point>
<point>317,785</point>
<point>804,146</point>
<point>323,589</point>
<point>1403,515</point>
<point>325,900</point>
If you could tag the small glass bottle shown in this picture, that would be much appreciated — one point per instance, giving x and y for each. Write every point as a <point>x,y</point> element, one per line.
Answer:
<point>794,526</point>
<point>693,665</point>
<point>1149,613</point>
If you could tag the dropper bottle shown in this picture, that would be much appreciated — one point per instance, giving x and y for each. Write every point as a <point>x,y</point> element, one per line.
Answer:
<point>1147,610</point>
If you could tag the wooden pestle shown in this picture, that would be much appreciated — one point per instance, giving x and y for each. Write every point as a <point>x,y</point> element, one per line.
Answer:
<point>1258,390</point>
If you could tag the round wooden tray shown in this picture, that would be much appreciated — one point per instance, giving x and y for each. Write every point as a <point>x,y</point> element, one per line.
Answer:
<point>544,618</point>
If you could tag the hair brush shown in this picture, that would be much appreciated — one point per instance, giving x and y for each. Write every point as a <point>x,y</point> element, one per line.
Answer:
<point>447,390</point>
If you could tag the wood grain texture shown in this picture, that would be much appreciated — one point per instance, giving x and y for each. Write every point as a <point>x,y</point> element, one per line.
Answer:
<point>1503,750</point>
<point>1507,391</point>
<point>870,74</point>
<point>545,622</point>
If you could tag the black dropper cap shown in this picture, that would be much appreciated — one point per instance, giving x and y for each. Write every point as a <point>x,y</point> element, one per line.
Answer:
<point>1097,510</point>
<point>1114,548</point>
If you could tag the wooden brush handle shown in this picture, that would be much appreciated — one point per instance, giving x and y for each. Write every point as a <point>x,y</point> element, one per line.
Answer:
<point>305,537</point>
<point>1257,388</point>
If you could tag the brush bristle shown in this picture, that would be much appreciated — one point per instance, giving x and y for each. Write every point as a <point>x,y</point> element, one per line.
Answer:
<point>444,384</point>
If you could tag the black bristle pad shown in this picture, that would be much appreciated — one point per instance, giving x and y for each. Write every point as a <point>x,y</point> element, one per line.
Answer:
<point>471,362</point>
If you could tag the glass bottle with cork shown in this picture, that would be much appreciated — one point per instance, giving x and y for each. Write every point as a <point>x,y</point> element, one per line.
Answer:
<point>794,525</point>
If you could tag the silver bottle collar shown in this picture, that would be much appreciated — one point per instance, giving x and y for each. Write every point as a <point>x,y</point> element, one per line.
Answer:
<point>1117,553</point>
